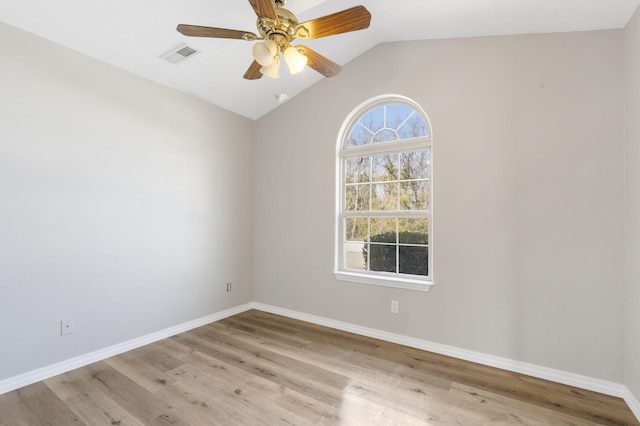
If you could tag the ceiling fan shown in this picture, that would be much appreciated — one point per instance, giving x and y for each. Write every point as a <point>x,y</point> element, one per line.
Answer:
<point>278,27</point>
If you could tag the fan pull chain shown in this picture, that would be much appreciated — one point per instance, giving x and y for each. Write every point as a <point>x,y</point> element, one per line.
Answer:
<point>281,96</point>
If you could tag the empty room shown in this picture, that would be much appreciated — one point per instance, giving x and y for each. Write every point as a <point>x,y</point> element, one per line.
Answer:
<point>307,212</point>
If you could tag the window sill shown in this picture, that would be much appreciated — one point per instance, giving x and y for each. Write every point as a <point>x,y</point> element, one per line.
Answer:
<point>395,282</point>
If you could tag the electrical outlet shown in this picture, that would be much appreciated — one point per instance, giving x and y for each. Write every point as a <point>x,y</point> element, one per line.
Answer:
<point>228,287</point>
<point>66,327</point>
<point>394,306</point>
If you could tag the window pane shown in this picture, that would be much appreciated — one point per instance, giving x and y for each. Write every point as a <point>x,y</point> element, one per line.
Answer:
<point>357,170</point>
<point>350,197</point>
<point>413,128</point>
<point>373,120</point>
<point>415,165</point>
<point>355,255</point>
<point>382,257</point>
<point>363,197</point>
<point>385,167</point>
<point>356,229</point>
<point>383,230</point>
<point>385,196</point>
<point>359,136</point>
<point>414,260</point>
<point>413,231</point>
<point>397,114</point>
<point>414,195</point>
<point>350,170</point>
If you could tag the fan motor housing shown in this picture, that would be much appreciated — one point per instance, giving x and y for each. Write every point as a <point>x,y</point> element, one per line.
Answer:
<point>286,24</point>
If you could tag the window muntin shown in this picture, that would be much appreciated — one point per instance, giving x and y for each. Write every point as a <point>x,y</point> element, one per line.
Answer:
<point>384,218</point>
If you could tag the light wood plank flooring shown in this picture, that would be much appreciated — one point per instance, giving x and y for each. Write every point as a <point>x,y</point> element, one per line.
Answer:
<point>262,369</point>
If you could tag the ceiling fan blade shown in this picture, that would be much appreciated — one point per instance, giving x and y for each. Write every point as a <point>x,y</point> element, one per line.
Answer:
<point>319,63</point>
<point>265,9</point>
<point>197,31</point>
<point>253,73</point>
<point>354,19</point>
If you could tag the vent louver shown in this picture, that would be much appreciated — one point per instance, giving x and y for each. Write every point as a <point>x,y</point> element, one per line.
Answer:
<point>179,54</point>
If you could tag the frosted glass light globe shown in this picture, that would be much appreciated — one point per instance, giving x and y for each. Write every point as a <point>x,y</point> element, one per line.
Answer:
<point>264,52</point>
<point>272,70</point>
<point>294,59</point>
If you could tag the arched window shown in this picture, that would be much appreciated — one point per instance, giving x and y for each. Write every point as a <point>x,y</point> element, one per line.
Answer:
<point>384,187</point>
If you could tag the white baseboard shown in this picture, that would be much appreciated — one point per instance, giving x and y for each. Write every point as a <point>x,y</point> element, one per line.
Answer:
<point>571,379</point>
<point>44,373</point>
<point>633,403</point>
<point>583,382</point>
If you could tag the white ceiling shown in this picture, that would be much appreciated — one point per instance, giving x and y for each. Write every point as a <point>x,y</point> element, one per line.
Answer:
<point>133,34</point>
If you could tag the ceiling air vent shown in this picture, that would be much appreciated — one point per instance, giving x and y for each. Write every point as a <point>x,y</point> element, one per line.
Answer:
<point>179,54</point>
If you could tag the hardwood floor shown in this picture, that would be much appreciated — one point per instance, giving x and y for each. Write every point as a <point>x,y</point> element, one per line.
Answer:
<point>262,369</point>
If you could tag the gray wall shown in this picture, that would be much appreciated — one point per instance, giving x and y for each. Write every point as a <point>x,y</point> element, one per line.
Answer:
<point>632,204</point>
<point>528,169</point>
<point>123,205</point>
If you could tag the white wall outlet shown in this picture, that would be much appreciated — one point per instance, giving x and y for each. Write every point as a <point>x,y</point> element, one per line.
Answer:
<point>394,306</point>
<point>66,327</point>
<point>228,287</point>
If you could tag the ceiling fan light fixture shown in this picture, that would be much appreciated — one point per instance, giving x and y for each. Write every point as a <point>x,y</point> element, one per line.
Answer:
<point>264,52</point>
<point>294,59</point>
<point>278,28</point>
<point>272,70</point>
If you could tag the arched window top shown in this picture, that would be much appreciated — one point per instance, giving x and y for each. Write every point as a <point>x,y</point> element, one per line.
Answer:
<point>386,119</point>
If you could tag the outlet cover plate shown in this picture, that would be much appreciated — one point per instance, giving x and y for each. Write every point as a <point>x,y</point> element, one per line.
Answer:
<point>66,327</point>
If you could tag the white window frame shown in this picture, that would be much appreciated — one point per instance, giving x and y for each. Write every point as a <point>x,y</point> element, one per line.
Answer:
<point>410,282</point>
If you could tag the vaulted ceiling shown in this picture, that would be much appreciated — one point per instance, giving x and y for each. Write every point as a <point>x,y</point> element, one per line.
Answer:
<point>132,35</point>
